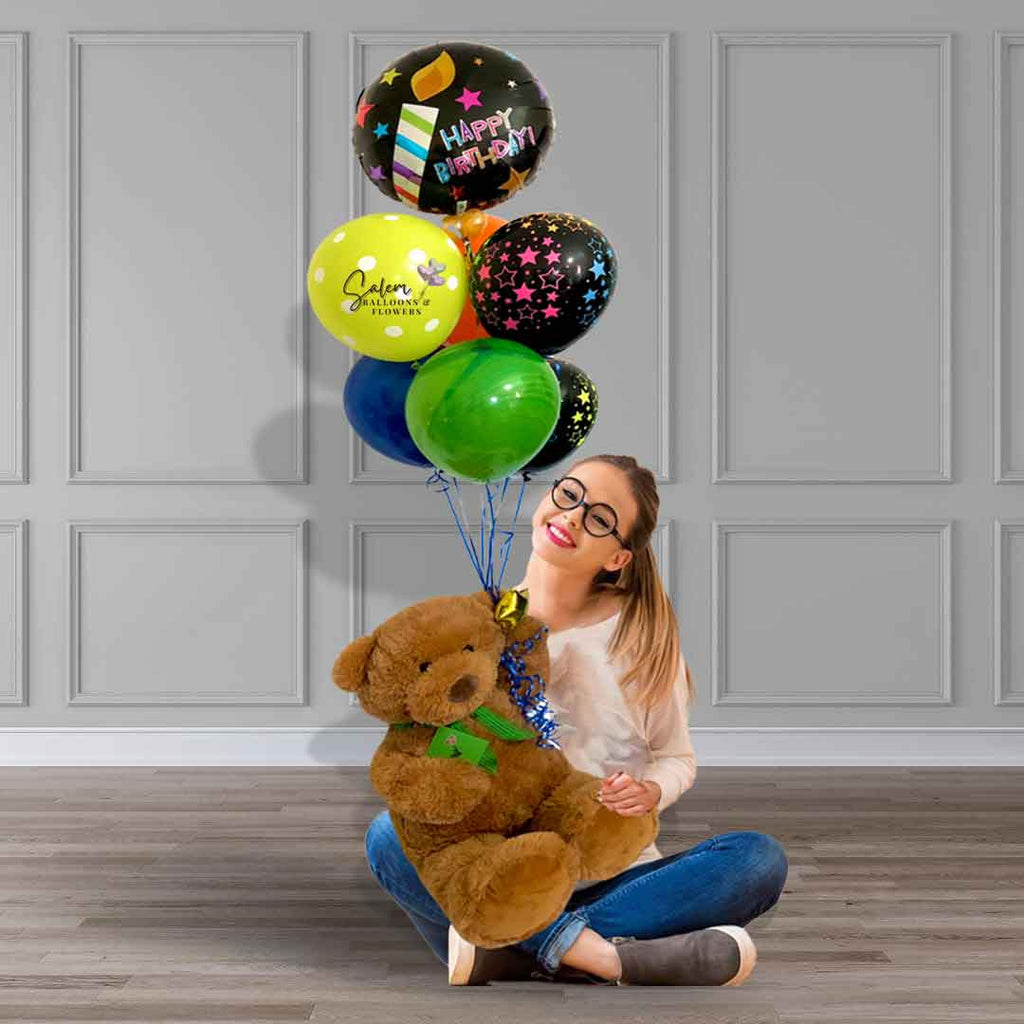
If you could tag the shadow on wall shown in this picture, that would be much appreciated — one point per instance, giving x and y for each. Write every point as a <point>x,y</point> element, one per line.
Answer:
<point>327,502</point>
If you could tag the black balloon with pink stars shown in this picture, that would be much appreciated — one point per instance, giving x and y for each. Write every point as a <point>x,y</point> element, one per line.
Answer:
<point>543,280</point>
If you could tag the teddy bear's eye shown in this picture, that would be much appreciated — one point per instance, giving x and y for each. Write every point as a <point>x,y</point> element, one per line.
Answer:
<point>469,647</point>
<point>424,665</point>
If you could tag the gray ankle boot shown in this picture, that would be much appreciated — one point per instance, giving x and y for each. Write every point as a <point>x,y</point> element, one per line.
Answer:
<point>723,954</point>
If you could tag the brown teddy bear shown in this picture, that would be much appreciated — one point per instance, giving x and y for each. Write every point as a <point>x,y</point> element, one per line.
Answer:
<point>498,827</point>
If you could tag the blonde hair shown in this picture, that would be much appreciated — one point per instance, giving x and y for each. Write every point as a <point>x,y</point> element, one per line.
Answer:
<point>647,630</point>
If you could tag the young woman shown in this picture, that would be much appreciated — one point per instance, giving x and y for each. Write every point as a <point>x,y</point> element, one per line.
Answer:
<point>620,688</point>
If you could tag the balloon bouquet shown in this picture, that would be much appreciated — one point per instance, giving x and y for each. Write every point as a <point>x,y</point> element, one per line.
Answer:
<point>459,324</point>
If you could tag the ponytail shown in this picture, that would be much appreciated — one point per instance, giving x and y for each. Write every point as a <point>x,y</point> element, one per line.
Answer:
<point>647,633</point>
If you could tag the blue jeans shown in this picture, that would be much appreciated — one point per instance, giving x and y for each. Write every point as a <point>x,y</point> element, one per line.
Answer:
<point>728,879</point>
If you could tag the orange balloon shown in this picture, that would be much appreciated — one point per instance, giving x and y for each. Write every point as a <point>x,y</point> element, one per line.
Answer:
<point>468,325</point>
<point>473,222</point>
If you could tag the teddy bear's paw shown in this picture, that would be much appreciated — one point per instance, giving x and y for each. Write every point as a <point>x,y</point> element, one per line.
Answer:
<point>611,842</point>
<point>523,884</point>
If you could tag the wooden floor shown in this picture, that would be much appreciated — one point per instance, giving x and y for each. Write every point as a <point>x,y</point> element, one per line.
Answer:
<point>244,895</point>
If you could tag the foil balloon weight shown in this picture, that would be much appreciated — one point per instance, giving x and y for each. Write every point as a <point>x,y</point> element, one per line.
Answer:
<point>389,285</point>
<point>543,280</point>
<point>452,126</point>
<point>482,408</point>
<point>576,418</point>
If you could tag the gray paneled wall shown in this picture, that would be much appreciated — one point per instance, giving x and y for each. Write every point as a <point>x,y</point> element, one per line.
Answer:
<point>816,345</point>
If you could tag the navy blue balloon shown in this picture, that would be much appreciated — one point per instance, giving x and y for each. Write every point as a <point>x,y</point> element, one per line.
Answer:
<point>375,405</point>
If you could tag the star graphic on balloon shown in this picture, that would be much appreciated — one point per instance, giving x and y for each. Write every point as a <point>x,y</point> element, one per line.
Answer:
<point>597,268</point>
<point>377,173</point>
<point>516,180</point>
<point>547,240</point>
<point>364,109</point>
<point>485,272</point>
<point>550,311</point>
<point>505,276</point>
<point>479,296</point>
<point>577,417</point>
<point>381,130</point>
<point>511,83</point>
<point>528,255</point>
<point>478,61</point>
<point>584,396</point>
<point>551,277</point>
<point>590,296</point>
<point>552,257</point>
<point>469,99</point>
<point>510,323</point>
<point>389,76</point>
<point>523,293</point>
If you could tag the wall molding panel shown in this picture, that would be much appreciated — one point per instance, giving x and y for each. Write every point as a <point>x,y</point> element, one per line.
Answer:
<point>14,469</point>
<point>80,43</point>
<point>721,45</point>
<point>720,532</point>
<point>360,530</point>
<point>78,529</point>
<point>1004,615</point>
<point>659,45</point>
<point>17,587</point>
<point>1002,180</point>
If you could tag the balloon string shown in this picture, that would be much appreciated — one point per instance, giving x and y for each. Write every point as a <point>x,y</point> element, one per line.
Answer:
<point>506,544</point>
<point>438,477</point>
<point>496,518</point>
<point>442,484</point>
<point>483,550</point>
<point>490,540</point>
<point>465,519</point>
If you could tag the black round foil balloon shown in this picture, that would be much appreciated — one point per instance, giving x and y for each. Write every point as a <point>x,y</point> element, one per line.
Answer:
<point>542,280</point>
<point>575,419</point>
<point>453,126</point>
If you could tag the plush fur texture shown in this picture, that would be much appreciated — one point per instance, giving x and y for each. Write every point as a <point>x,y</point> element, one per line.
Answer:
<point>499,853</point>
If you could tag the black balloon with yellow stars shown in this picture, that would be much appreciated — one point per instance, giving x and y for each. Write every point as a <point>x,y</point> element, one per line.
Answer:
<point>576,417</point>
<point>453,126</point>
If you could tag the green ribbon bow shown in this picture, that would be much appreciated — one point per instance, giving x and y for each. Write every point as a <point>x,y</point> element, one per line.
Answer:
<point>456,739</point>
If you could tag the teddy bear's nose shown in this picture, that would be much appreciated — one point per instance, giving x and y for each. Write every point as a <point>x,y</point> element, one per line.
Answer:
<point>463,688</point>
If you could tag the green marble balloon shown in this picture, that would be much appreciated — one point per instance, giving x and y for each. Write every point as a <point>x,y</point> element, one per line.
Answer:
<point>483,408</point>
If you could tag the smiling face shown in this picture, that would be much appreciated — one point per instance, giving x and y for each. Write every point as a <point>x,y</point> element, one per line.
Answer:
<point>559,536</point>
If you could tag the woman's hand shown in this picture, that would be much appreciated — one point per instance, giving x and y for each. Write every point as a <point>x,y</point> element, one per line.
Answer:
<point>627,796</point>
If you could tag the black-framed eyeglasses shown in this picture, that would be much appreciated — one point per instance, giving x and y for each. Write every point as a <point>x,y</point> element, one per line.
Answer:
<point>599,519</point>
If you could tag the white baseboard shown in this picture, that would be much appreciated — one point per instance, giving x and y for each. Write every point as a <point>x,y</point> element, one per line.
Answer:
<point>751,745</point>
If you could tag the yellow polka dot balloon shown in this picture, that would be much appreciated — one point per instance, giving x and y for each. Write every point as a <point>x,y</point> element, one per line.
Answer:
<point>389,285</point>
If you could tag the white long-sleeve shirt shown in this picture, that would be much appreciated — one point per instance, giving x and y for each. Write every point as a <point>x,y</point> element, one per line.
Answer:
<point>601,731</point>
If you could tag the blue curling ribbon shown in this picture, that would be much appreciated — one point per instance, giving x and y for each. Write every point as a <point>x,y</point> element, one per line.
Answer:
<point>482,560</point>
<point>440,484</point>
<point>528,690</point>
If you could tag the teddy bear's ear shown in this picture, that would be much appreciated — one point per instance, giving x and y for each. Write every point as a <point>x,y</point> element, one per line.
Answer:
<point>349,671</point>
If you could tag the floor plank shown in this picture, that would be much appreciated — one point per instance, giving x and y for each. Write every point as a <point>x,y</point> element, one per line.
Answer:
<point>188,895</point>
